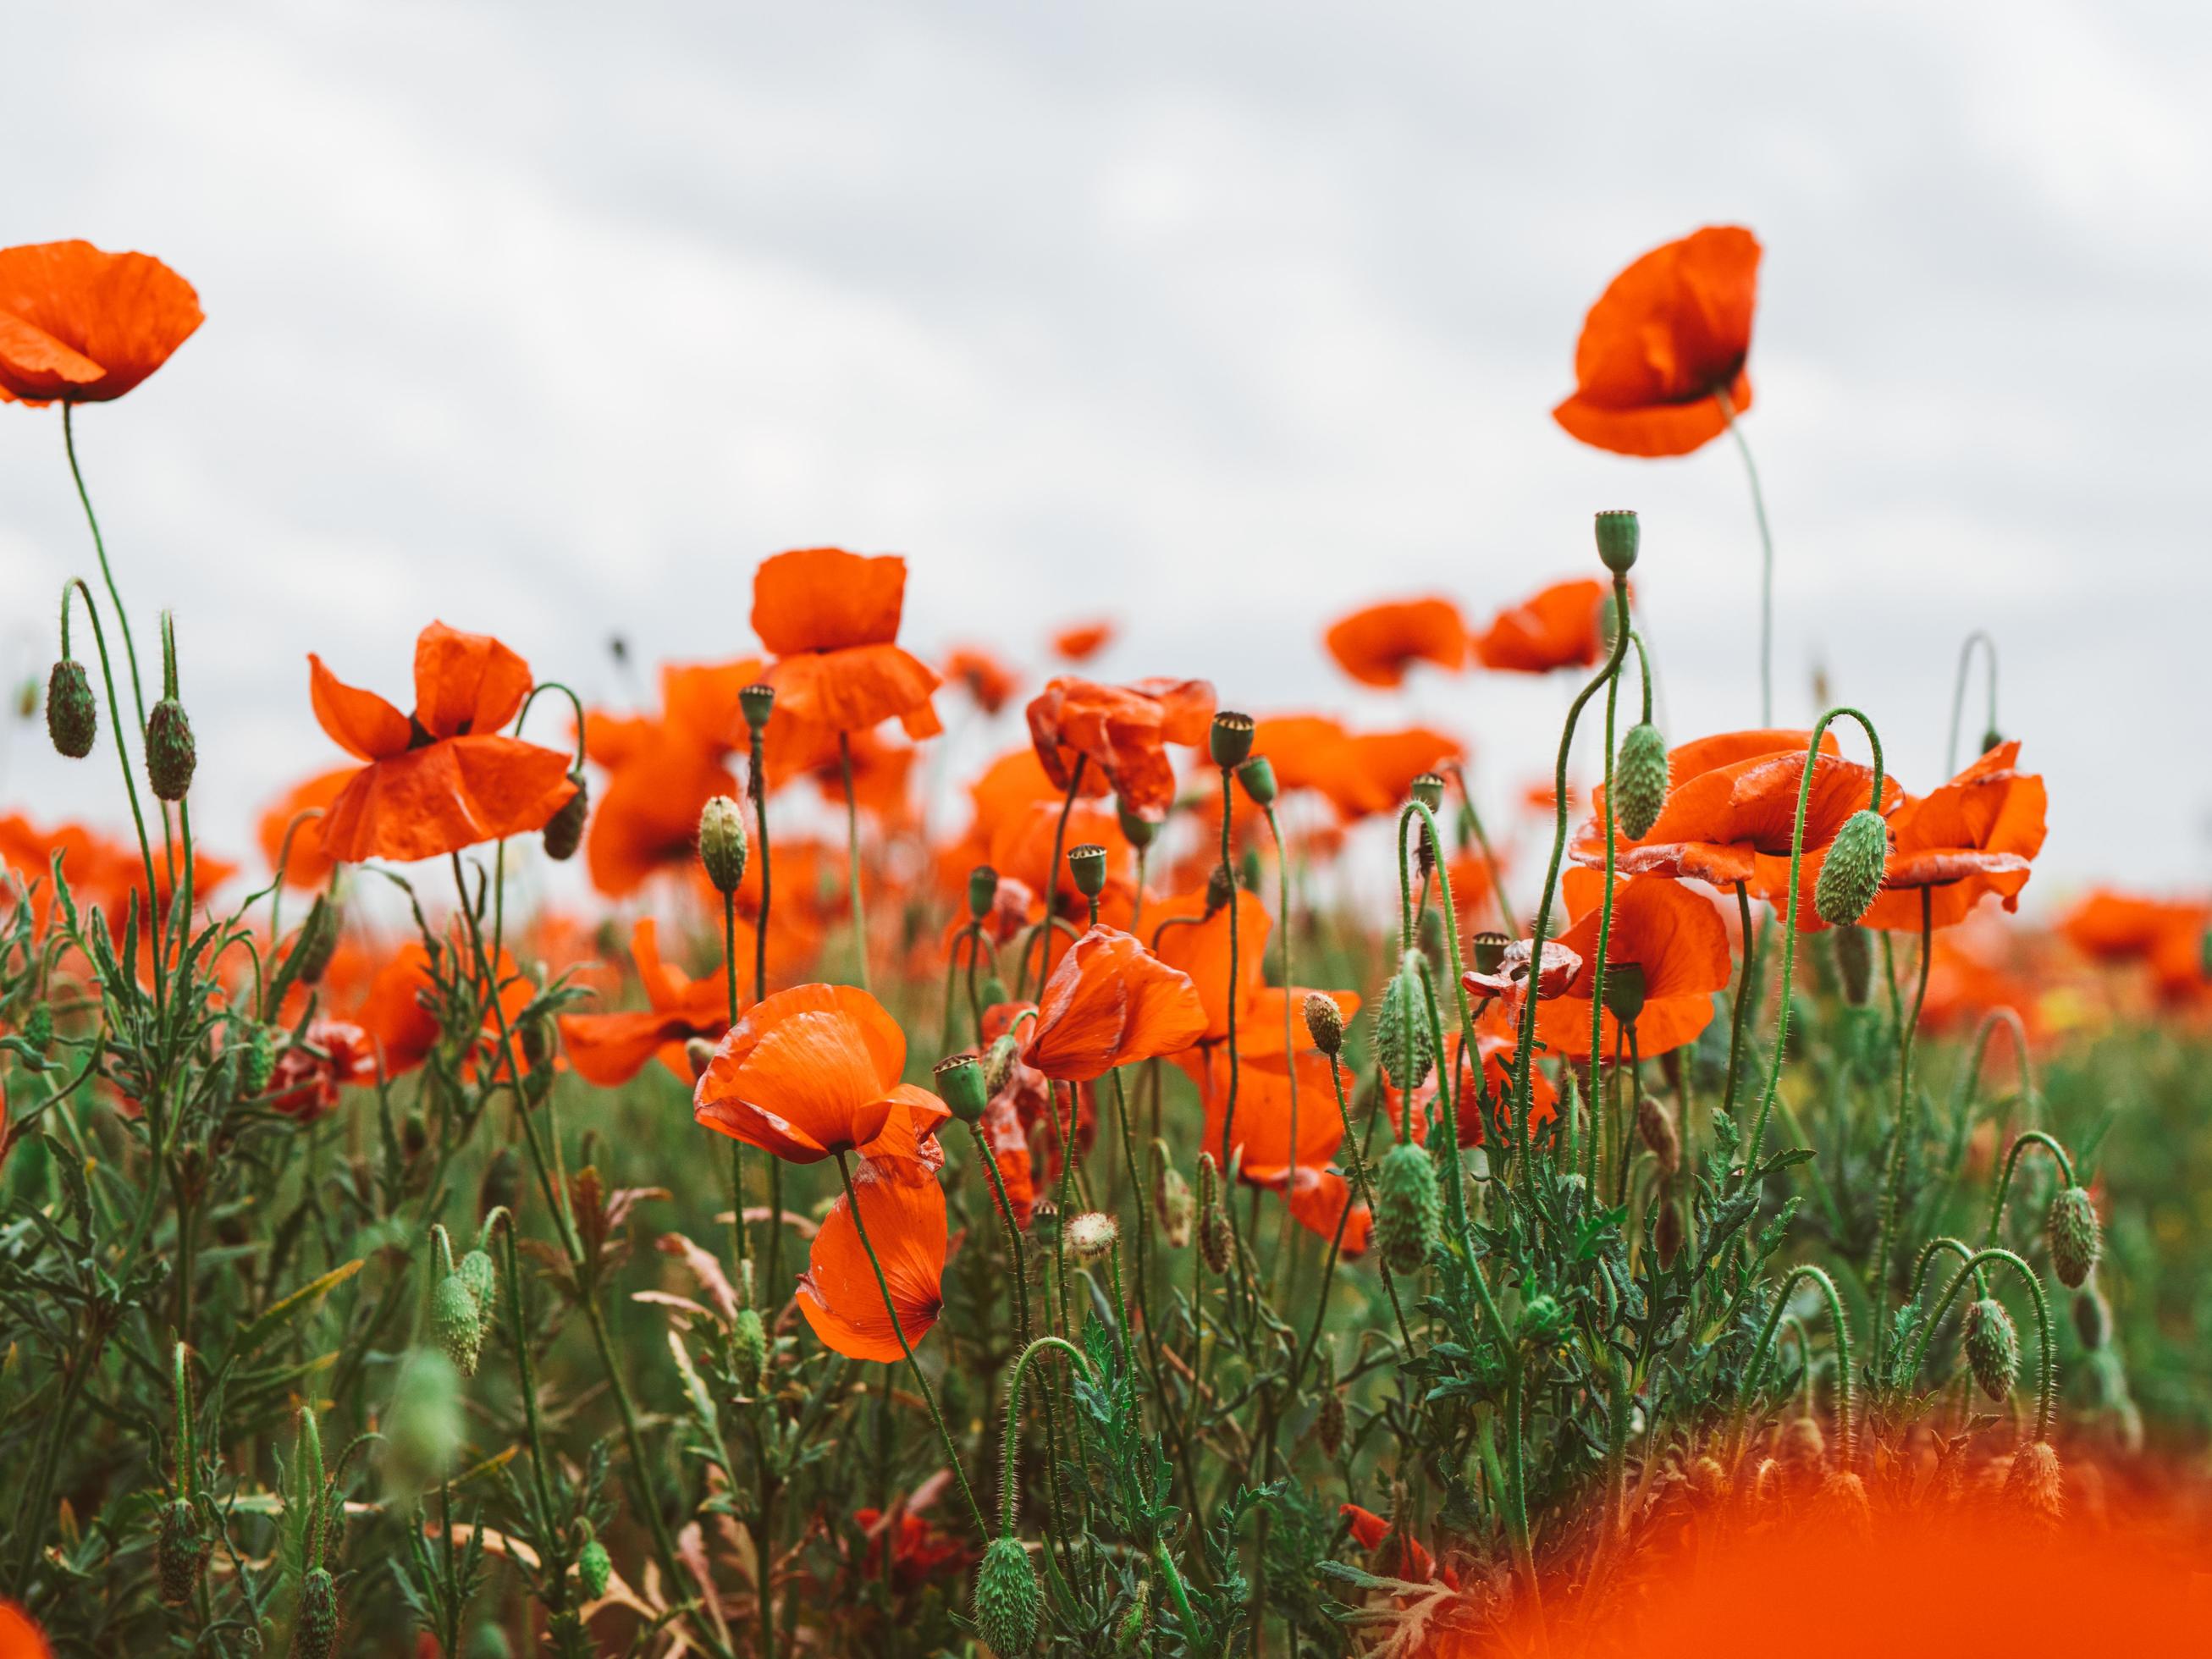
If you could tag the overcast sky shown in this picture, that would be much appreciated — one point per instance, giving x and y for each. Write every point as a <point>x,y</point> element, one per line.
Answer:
<point>552,320</point>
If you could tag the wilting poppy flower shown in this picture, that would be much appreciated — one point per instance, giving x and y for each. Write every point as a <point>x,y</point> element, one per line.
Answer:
<point>1377,644</point>
<point>1972,837</point>
<point>807,1073</point>
<point>305,1084</point>
<point>306,865</point>
<point>838,1292</point>
<point>1110,1002</point>
<point>84,326</point>
<point>1082,642</point>
<point>610,1049</point>
<point>1561,626</point>
<point>1672,935</point>
<point>445,779</point>
<point>987,680</point>
<point>831,618</point>
<point>1405,1557</point>
<point>661,770</point>
<point>19,1635</point>
<point>1510,977</point>
<point>1121,731</point>
<point>1666,334</point>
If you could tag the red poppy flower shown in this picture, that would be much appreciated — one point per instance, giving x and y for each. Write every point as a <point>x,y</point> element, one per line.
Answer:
<point>2111,927</point>
<point>1377,644</point>
<point>1083,641</point>
<point>1110,1002</point>
<point>1009,1141</point>
<point>661,770</point>
<point>1561,626</point>
<point>304,1086</point>
<point>1497,1041</point>
<point>1510,978</point>
<point>1694,759</point>
<point>838,1292</point>
<point>445,779</point>
<point>1668,333</point>
<point>1185,936</point>
<point>1266,1147</point>
<point>100,871</point>
<point>807,1073</point>
<point>84,326</point>
<point>920,1552</point>
<point>1970,838</point>
<point>831,618</point>
<point>1407,1558</point>
<point>880,772</point>
<point>395,1010</point>
<point>19,1635</point>
<point>610,1049</point>
<point>1021,847</point>
<point>306,866</point>
<point>1318,1200</point>
<point>989,682</point>
<point>1360,775</point>
<point>1673,934</point>
<point>1122,730</point>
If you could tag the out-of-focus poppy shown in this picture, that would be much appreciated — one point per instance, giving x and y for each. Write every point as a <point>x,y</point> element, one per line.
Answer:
<point>661,770</point>
<point>1377,643</point>
<point>880,771</point>
<point>1320,1200</point>
<point>807,1073</point>
<point>920,1552</point>
<point>987,680</point>
<point>19,1635</point>
<point>838,1292</point>
<point>1666,334</point>
<point>1561,626</point>
<point>1037,1108</point>
<point>831,618</point>
<point>1404,1558</point>
<point>2111,927</point>
<point>445,779</point>
<point>1361,775</point>
<point>83,326</point>
<point>1671,933</point>
<point>1021,847</point>
<point>304,1086</point>
<point>1968,839</point>
<point>610,1049</point>
<point>306,866</point>
<point>1187,936</point>
<point>1497,1042</point>
<point>1123,731</point>
<point>395,1010</point>
<point>100,871</point>
<point>1110,1002</point>
<point>1083,641</point>
<point>1267,1143</point>
<point>1510,979</point>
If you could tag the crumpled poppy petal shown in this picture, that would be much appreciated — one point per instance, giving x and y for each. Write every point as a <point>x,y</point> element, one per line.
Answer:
<point>360,722</point>
<point>838,1292</point>
<point>823,598</point>
<point>428,802</point>
<point>124,313</point>
<point>1200,949</point>
<point>804,1073</point>
<point>907,1148</point>
<point>854,689</point>
<point>466,683</point>
<point>610,1049</point>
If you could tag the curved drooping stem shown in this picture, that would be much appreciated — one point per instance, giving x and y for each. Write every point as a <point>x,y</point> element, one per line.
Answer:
<point>2046,1405</point>
<point>1755,1371</point>
<point>1959,692</point>
<point>1765,563</point>
<point>1009,1489</point>
<point>2025,1140</point>
<point>1605,906</point>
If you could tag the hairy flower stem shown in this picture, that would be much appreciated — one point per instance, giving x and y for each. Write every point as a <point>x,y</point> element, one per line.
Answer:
<point>107,576</point>
<point>1489,859</point>
<point>1605,906</point>
<point>1755,1370</point>
<point>1010,1443</point>
<point>1765,563</point>
<point>1289,1047</point>
<point>1745,973</point>
<point>1959,692</point>
<point>2031,1138</point>
<point>1365,1189</point>
<point>1892,1188</point>
<point>756,786</point>
<point>2046,1405</point>
<point>853,859</point>
<point>737,1146</point>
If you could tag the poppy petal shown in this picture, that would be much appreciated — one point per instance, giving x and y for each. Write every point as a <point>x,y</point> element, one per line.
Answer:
<point>466,683</point>
<point>823,598</point>
<point>839,1293</point>
<point>360,722</point>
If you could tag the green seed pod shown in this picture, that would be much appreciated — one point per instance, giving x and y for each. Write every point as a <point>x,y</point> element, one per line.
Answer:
<point>1625,991</point>
<point>1618,536</point>
<point>758,701</point>
<point>476,1272</point>
<point>1429,790</point>
<point>722,846</point>
<point>1258,777</point>
<point>1851,875</point>
<point>564,830</point>
<point>1407,1207</point>
<point>1324,1022</point>
<point>1009,1605</point>
<point>171,754</point>
<point>456,1323</point>
<point>982,891</point>
<point>1488,951</point>
<point>749,1350</point>
<point>960,1084</point>
<point>180,1552</point>
<point>1992,1347</point>
<point>1087,865</point>
<point>1230,740</point>
<point>1855,963</point>
<point>1639,781</point>
<point>72,715</point>
<point>1402,1032</point>
<point>39,1027</point>
<point>2076,1236</point>
<point>315,1626</point>
<point>1136,828</point>
<point>2093,1318</point>
<point>2037,1482</point>
<point>594,1569</point>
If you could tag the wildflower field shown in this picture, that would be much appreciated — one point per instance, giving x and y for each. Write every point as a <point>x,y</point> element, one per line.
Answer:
<point>1209,1181</point>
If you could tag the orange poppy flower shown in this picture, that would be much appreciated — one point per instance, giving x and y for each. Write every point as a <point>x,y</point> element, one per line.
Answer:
<point>1122,730</point>
<point>19,1635</point>
<point>610,1049</point>
<point>304,1086</point>
<point>1263,1129</point>
<point>806,1073</point>
<point>661,770</point>
<point>445,779</point>
<point>1035,1109</point>
<point>881,771</point>
<point>306,866</point>
<point>1084,641</point>
<point>1360,775</point>
<point>1667,334</point>
<point>1318,1200</point>
<point>1561,626</point>
<point>987,680</point>
<point>1406,1558</point>
<point>395,1014</point>
<point>1110,1002</point>
<point>831,618</point>
<point>1694,759</point>
<point>84,326</point>
<point>1009,1141</point>
<point>838,1292</point>
<point>2111,927</point>
<point>1021,847</point>
<point>1376,644</point>
<point>100,871</point>
<point>1970,838</point>
<point>1673,933</point>
<point>1497,1040</point>
<point>1198,944</point>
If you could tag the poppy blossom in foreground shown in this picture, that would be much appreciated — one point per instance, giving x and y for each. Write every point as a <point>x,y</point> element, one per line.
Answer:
<point>1122,732</point>
<point>831,618</point>
<point>83,327</point>
<point>1666,334</point>
<point>1561,626</point>
<point>1671,934</point>
<point>444,778</point>
<point>1083,641</point>
<point>1377,643</point>
<point>838,1292</point>
<point>610,1049</point>
<point>1110,1002</point>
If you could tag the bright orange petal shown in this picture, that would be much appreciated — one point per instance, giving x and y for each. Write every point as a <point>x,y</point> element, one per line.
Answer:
<point>360,722</point>
<point>823,598</point>
<point>466,683</point>
<point>839,1292</point>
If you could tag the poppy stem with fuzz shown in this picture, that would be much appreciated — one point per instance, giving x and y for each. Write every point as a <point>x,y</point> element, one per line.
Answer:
<point>107,576</point>
<point>756,786</point>
<point>853,859</point>
<point>2031,1138</point>
<point>1743,977</point>
<point>914,1365</point>
<point>1605,907</point>
<point>1009,1488</point>
<point>2046,1404</point>
<point>1959,692</point>
<point>737,1146</point>
<point>1892,1188</point>
<point>1756,1370</point>
<point>1765,563</point>
<point>1051,894</point>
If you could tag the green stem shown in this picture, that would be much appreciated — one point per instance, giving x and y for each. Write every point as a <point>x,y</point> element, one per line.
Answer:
<point>2030,1138</point>
<point>1959,691</point>
<point>1893,1185</point>
<point>100,547</point>
<point>1766,565</point>
<point>1754,1373</point>
<point>1009,1490</point>
<point>2047,1390</point>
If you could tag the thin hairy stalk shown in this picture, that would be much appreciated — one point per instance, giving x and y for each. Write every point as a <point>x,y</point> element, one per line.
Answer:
<point>1959,692</point>
<point>2029,1138</point>
<point>2046,1406</point>
<point>1755,1371</point>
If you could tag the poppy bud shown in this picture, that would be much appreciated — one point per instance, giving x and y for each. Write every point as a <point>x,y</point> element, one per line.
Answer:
<point>1844,1496</point>
<point>960,1086</point>
<point>257,1060</point>
<point>2037,1482</point>
<point>758,701</point>
<point>1640,780</point>
<point>1708,1479</point>
<point>998,1065</point>
<point>1489,951</point>
<point>748,1350</point>
<point>1617,535</point>
<point>1137,829</point>
<point>1174,1206</point>
<point>722,842</point>
<point>1992,1347</point>
<point>1624,990</point>
<point>1130,1639</point>
<point>1850,876</point>
<point>995,992</point>
<point>594,1569</point>
<point>1855,963</point>
<point>1324,1023</point>
<point>2077,1239</point>
<point>1804,1449</point>
<point>1258,777</point>
<point>1087,864</point>
<point>1230,740</point>
<point>1213,1234</point>
<point>315,1626</point>
<point>564,830</point>
<point>180,1552</point>
<point>1091,1234</point>
<point>456,1324</point>
<point>1654,1123</point>
<point>319,937</point>
<point>1401,1033</point>
<point>2093,1318</point>
<point>982,891</point>
<point>1429,790</point>
<point>1220,888</point>
<point>1008,1604</point>
<point>1667,1234</point>
<point>475,1271</point>
<point>1542,1321</point>
<point>698,1054</point>
<point>1407,1207</point>
<point>1328,1418</point>
<point>39,1028</point>
<point>72,715</point>
<point>171,755</point>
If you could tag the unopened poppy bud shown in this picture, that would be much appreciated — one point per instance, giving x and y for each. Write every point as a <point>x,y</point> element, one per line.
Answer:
<point>1992,1347</point>
<point>1654,1123</point>
<point>1220,888</point>
<point>1087,864</point>
<point>1407,1207</point>
<point>315,1626</point>
<point>257,1061</point>
<point>1328,1418</point>
<point>594,1569</point>
<point>1008,1603</point>
<point>1091,1234</point>
<point>1844,1496</point>
<point>456,1324</point>
<point>180,1552</point>
<point>1324,1022</point>
<point>319,937</point>
<point>1851,875</point>
<point>564,831</point>
<point>698,1054</point>
<point>72,715</point>
<point>1129,1637</point>
<point>1489,951</point>
<point>982,891</point>
<point>1639,781</point>
<point>1229,739</point>
<point>1625,989</point>
<point>1804,1448</point>
<point>1136,828</point>
<point>39,1028</point>
<point>722,843</point>
<point>2093,1318</point>
<point>749,1350</point>
<point>1855,963</point>
<point>998,1065</point>
<point>994,992</point>
<point>1402,1032</point>
<point>2076,1236</point>
<point>1667,1232</point>
<point>2037,1482</point>
<point>1258,777</point>
<point>1543,1321</point>
<point>1618,535</point>
<point>1174,1205</point>
<point>1708,1479</point>
<point>960,1084</point>
<point>502,1182</point>
<point>171,754</point>
<point>475,1271</point>
<point>1213,1232</point>
<point>758,701</point>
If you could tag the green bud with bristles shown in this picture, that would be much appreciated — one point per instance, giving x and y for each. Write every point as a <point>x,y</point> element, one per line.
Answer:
<point>171,754</point>
<point>2076,1236</point>
<point>1992,1347</point>
<point>1009,1605</point>
<point>1639,781</point>
<point>475,1271</point>
<point>594,1569</point>
<point>72,713</point>
<point>1851,875</point>
<point>1409,1208</point>
<point>2037,1482</point>
<point>315,1626</point>
<point>180,1552</point>
<point>749,1350</point>
<point>456,1322</point>
<point>1324,1022</point>
<point>1402,1032</point>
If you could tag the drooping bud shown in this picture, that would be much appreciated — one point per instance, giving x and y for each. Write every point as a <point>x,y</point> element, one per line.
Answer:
<point>1625,989</point>
<point>749,1350</point>
<point>2092,1317</point>
<point>319,937</point>
<point>180,1552</point>
<point>564,830</point>
<point>171,754</point>
<point>1804,1448</point>
<point>1091,1234</point>
<point>757,703</point>
<point>1709,1483</point>
<point>1214,1233</point>
<point>982,891</point>
<point>594,1568</point>
<point>960,1086</point>
<point>1136,828</point>
<point>1258,777</point>
<point>1851,875</point>
<point>2037,1481</point>
<point>1229,739</point>
<point>475,1271</point>
<point>1008,1603</point>
<point>1639,781</point>
<point>72,714</point>
<point>1666,1236</point>
<point>1992,1347</point>
<point>1844,1496</point>
<point>2076,1236</point>
<point>722,845</point>
<point>1855,963</point>
<point>1324,1023</point>
<point>1220,888</point>
<point>456,1323</point>
<point>1654,1124</point>
<point>1174,1205</point>
<point>1618,535</point>
<point>1407,1207</point>
<point>1087,865</point>
<point>315,1627</point>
